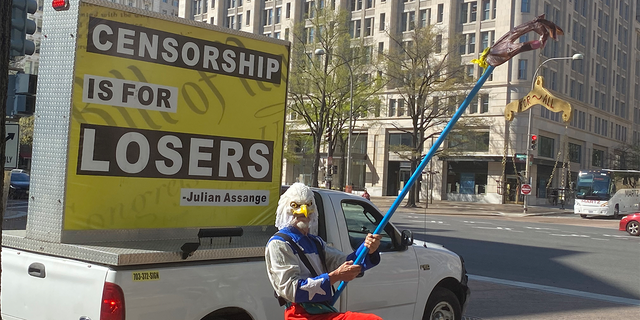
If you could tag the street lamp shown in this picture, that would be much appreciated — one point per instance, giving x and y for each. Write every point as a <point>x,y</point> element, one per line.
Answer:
<point>577,56</point>
<point>320,52</point>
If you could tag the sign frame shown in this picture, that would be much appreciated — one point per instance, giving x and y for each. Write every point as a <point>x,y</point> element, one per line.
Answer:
<point>12,147</point>
<point>59,213</point>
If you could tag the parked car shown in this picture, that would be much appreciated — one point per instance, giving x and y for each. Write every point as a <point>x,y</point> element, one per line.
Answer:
<point>631,224</point>
<point>19,185</point>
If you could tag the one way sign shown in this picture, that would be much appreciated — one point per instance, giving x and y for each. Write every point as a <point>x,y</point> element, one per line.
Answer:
<point>12,144</point>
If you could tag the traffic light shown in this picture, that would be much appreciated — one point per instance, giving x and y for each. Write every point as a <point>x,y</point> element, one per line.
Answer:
<point>534,140</point>
<point>60,5</point>
<point>21,95</point>
<point>21,26</point>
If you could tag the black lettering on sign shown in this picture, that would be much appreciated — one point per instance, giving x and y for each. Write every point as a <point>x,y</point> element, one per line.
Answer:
<point>146,275</point>
<point>128,152</point>
<point>138,43</point>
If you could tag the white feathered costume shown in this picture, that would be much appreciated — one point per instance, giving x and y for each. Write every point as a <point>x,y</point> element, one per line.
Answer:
<point>289,276</point>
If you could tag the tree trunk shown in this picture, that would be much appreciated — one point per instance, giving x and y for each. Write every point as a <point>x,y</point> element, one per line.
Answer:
<point>316,160</point>
<point>411,201</point>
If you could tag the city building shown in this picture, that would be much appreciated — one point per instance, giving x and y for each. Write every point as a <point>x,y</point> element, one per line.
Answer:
<point>603,89</point>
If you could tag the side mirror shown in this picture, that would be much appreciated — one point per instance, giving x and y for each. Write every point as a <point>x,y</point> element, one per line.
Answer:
<point>407,238</point>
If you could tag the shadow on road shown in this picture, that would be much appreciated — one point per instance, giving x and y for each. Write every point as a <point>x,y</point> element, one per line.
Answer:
<point>528,264</point>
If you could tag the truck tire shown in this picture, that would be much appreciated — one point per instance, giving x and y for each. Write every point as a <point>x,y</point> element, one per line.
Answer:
<point>442,305</point>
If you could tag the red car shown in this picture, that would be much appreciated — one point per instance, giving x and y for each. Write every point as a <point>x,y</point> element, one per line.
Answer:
<point>631,224</point>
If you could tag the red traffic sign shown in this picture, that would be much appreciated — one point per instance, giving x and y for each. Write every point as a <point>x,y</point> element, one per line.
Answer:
<point>525,189</point>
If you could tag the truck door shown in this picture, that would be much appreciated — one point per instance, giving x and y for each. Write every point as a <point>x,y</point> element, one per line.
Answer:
<point>389,289</point>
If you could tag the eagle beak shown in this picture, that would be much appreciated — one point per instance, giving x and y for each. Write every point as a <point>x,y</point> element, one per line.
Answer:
<point>302,210</point>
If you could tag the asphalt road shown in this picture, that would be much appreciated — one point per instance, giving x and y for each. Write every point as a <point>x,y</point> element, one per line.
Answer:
<point>539,267</point>
<point>550,265</point>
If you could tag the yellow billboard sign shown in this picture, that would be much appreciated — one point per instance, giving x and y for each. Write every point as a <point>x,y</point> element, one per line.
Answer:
<point>173,125</point>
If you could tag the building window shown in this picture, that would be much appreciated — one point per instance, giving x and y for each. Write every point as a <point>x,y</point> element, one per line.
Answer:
<point>425,17</point>
<point>597,158</point>
<point>469,141</point>
<point>368,27</point>
<point>467,177</point>
<point>464,12</point>
<point>354,28</point>
<point>546,147</point>
<point>522,69</point>
<point>485,40</point>
<point>356,5</point>
<point>474,11</point>
<point>484,103</point>
<point>526,6</point>
<point>440,12</point>
<point>288,10</point>
<point>408,21</point>
<point>575,152</point>
<point>267,17</point>
<point>392,108</point>
<point>369,4</point>
<point>438,43</point>
<point>400,139</point>
<point>493,12</point>
<point>486,9</point>
<point>309,9</point>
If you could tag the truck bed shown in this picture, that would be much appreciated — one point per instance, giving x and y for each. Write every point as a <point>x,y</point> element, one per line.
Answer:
<point>126,253</point>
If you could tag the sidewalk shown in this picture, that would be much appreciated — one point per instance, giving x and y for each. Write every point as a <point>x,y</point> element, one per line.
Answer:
<point>471,208</point>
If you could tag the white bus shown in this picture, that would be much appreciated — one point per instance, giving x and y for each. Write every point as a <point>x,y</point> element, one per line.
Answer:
<point>607,193</point>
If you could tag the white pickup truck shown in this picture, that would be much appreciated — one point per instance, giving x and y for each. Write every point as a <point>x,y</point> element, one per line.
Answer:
<point>223,275</point>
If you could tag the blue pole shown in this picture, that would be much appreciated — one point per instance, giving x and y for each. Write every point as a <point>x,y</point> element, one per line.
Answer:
<point>418,172</point>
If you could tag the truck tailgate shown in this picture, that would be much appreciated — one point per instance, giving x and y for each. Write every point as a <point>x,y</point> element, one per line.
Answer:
<point>48,287</point>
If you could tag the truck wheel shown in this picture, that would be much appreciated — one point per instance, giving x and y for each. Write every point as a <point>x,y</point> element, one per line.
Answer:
<point>442,305</point>
<point>616,212</point>
<point>584,216</point>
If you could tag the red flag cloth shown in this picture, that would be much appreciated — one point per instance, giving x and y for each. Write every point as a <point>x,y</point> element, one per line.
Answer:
<point>506,47</point>
<point>296,312</point>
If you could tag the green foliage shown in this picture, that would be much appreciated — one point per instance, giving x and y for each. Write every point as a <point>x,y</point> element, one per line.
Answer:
<point>26,130</point>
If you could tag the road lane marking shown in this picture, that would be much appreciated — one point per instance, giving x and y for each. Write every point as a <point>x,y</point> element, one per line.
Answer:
<point>498,228</point>
<point>476,222</point>
<point>570,235</point>
<point>536,228</point>
<point>569,292</point>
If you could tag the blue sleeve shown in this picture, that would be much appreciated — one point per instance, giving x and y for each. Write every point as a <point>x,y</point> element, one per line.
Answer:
<point>370,260</point>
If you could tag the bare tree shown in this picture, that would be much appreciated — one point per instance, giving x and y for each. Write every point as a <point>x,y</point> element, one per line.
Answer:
<point>324,62</point>
<point>426,72</point>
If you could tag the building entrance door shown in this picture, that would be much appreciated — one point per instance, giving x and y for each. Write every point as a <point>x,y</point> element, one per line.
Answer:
<point>398,174</point>
<point>513,190</point>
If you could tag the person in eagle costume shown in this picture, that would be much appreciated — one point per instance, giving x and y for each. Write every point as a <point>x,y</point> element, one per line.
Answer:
<point>302,268</point>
